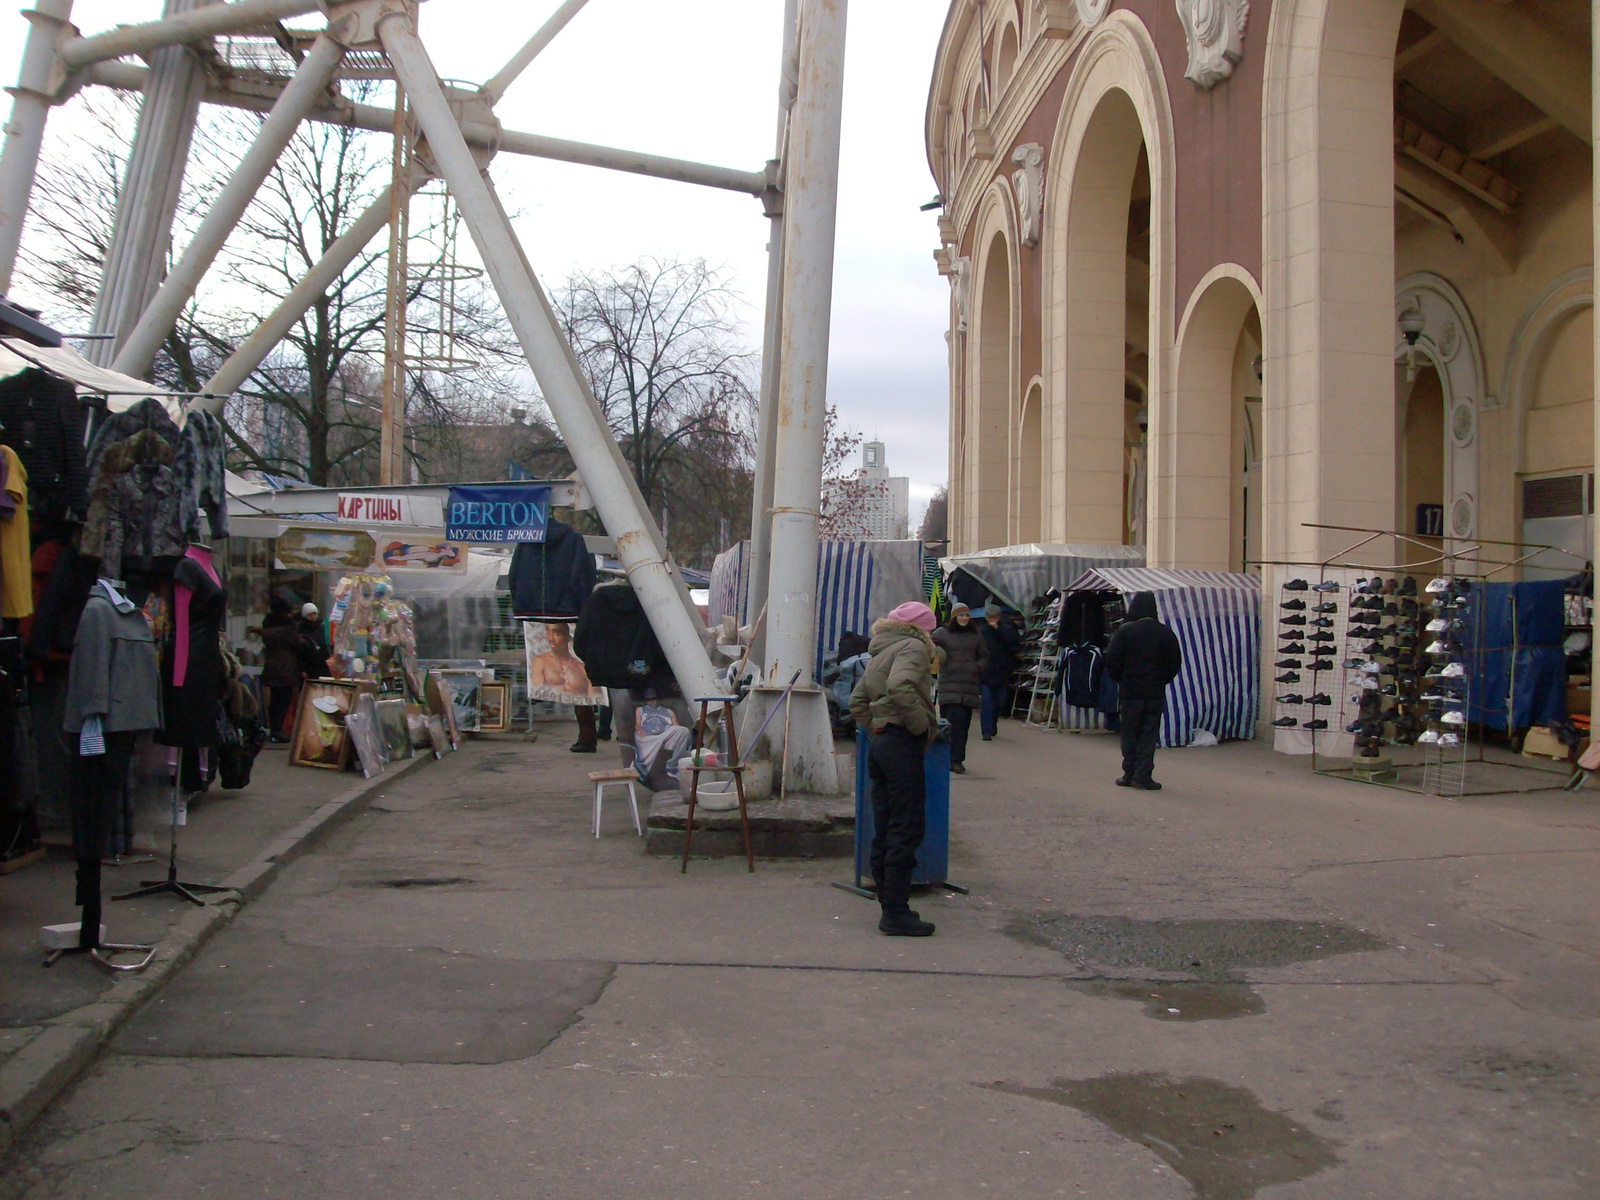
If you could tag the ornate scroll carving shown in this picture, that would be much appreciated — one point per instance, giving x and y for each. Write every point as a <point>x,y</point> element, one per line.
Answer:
<point>1215,29</point>
<point>1029,185</point>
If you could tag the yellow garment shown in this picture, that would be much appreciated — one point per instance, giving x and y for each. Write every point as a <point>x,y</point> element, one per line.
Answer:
<point>16,556</point>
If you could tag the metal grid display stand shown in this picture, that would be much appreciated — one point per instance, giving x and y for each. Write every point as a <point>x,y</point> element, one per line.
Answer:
<point>1043,703</point>
<point>1398,682</point>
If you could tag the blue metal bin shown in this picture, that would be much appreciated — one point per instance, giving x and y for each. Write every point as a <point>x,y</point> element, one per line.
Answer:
<point>933,856</point>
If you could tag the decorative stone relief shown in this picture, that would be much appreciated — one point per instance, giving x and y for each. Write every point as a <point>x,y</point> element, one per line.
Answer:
<point>1029,185</point>
<point>1215,29</point>
<point>1463,422</point>
<point>962,281</point>
<point>1092,12</point>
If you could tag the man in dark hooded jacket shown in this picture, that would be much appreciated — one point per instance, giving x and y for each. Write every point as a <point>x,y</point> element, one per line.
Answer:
<point>1143,658</point>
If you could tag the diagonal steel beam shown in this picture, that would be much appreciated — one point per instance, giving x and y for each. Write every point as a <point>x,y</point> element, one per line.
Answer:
<point>309,82</point>
<point>185,27</point>
<point>546,33</point>
<point>571,403</point>
<point>30,105</point>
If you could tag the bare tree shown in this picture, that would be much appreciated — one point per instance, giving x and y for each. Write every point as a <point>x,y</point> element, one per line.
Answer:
<point>936,521</point>
<point>660,346</point>
<point>846,496</point>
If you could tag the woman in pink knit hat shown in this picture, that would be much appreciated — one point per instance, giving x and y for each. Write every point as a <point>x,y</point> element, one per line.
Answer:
<point>894,704</point>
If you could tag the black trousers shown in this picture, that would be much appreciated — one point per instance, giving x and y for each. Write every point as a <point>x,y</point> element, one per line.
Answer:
<point>278,709</point>
<point>1141,727</point>
<point>98,783</point>
<point>899,793</point>
<point>960,718</point>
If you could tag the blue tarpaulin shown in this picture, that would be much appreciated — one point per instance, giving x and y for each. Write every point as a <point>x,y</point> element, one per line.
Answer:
<point>1518,667</point>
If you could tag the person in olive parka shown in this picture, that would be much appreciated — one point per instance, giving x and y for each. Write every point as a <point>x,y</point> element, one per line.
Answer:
<point>1143,658</point>
<point>893,703</point>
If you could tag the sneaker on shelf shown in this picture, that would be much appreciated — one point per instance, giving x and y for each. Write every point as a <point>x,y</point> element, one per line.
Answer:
<point>1292,619</point>
<point>1374,648</point>
<point>1354,664</point>
<point>1296,585</point>
<point>1286,722</point>
<point>1327,585</point>
<point>1431,696</point>
<point>1438,585</point>
<point>1391,609</point>
<point>1320,700</point>
<point>1437,625</point>
<point>1408,586</point>
<point>1365,682</point>
<point>1323,622</point>
<point>1288,663</point>
<point>1449,739</point>
<point>1453,717</point>
<point>1427,737</point>
<point>1322,635</point>
<point>1290,698</point>
<point>1437,647</point>
<point>1292,648</point>
<point>1295,605</point>
<point>1370,667</point>
<point>1317,723</point>
<point>1388,689</point>
<point>1354,726</point>
<point>1327,606</point>
<point>1288,677</point>
<point>1322,664</point>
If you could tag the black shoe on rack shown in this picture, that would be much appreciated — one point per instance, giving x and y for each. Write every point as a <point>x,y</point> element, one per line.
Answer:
<point>1408,586</point>
<point>1286,722</point>
<point>1292,648</point>
<point>1296,585</point>
<point>1291,664</point>
<point>1290,698</point>
<point>1327,606</point>
<point>1288,677</point>
<point>1327,585</point>
<point>1323,622</point>
<point>1322,664</point>
<point>1319,723</point>
<point>1292,619</point>
<point>1320,700</point>
<point>1295,605</point>
<point>1321,635</point>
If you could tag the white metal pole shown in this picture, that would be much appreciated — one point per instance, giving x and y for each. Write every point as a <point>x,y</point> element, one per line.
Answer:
<point>535,45</point>
<point>811,189</point>
<point>151,183</point>
<point>30,105</point>
<point>547,352</point>
<point>767,414</point>
<point>175,29</point>
<point>316,71</point>
<point>255,348</point>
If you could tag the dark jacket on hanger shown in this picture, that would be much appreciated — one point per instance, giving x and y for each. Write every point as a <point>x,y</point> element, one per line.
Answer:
<point>202,477</point>
<point>114,670</point>
<point>554,577</point>
<point>43,422</point>
<point>149,414</point>
<point>136,513</point>
<point>616,643</point>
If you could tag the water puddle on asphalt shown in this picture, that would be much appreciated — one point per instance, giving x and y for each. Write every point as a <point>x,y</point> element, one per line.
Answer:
<point>1168,1001</point>
<point>1210,952</point>
<point>1218,1137</point>
<point>422,882</point>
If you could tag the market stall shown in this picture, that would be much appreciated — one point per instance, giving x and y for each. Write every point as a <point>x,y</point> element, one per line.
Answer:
<point>1018,575</point>
<point>1217,617</point>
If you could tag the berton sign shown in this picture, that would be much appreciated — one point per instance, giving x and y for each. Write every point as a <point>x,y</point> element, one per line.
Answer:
<point>497,514</point>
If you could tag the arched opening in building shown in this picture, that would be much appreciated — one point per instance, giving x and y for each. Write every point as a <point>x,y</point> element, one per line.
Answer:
<point>1216,439</point>
<point>1107,329</point>
<point>1006,60</point>
<point>1030,463</point>
<point>1557,478</point>
<point>1421,459</point>
<point>988,506</point>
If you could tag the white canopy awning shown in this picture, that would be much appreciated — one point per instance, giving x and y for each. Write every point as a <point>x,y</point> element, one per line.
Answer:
<point>121,391</point>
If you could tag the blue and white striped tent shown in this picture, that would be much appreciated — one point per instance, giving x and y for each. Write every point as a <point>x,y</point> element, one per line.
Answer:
<point>857,582</point>
<point>1217,617</point>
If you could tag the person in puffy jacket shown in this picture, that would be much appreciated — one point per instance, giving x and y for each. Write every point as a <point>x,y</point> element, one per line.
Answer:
<point>1001,639</point>
<point>282,665</point>
<point>893,703</point>
<point>1143,658</point>
<point>966,657</point>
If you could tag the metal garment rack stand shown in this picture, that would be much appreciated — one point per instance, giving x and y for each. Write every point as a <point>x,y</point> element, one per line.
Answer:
<point>1440,777</point>
<point>171,884</point>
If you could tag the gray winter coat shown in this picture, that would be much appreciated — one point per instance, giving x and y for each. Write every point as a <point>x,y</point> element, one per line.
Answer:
<point>965,656</point>
<point>115,671</point>
<point>201,478</point>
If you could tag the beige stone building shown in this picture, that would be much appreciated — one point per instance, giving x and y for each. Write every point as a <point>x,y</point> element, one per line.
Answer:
<point>1222,270</point>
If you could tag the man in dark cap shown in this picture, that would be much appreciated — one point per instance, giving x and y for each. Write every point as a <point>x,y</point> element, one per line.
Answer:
<point>1143,658</point>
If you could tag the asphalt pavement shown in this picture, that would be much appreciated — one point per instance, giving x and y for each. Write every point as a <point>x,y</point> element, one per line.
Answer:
<point>1255,982</point>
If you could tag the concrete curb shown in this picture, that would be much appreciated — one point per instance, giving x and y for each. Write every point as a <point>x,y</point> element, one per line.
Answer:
<point>41,1070</point>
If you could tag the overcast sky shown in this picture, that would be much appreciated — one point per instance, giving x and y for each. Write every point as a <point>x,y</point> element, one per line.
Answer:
<point>697,79</point>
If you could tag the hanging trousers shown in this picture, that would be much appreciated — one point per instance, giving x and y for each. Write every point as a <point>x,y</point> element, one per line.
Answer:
<point>1141,728</point>
<point>899,794</point>
<point>98,782</point>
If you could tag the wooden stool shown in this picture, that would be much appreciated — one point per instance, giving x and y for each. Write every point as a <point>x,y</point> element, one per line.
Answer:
<point>601,779</point>
<point>736,769</point>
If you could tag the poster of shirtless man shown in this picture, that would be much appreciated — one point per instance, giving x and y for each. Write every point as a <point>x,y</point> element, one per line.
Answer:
<point>554,672</point>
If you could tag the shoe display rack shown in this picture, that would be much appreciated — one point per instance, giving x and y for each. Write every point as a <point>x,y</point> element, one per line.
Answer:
<point>1447,684</point>
<point>1310,623</point>
<point>1039,663</point>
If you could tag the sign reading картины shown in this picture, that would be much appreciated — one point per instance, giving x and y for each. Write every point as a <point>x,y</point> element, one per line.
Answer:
<point>497,514</point>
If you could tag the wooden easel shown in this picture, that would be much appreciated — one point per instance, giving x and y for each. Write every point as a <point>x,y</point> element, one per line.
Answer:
<point>735,767</point>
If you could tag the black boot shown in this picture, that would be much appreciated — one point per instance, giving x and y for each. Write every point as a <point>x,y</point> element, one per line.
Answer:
<point>904,923</point>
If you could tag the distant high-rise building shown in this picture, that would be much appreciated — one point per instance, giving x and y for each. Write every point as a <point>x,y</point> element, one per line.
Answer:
<point>873,504</point>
